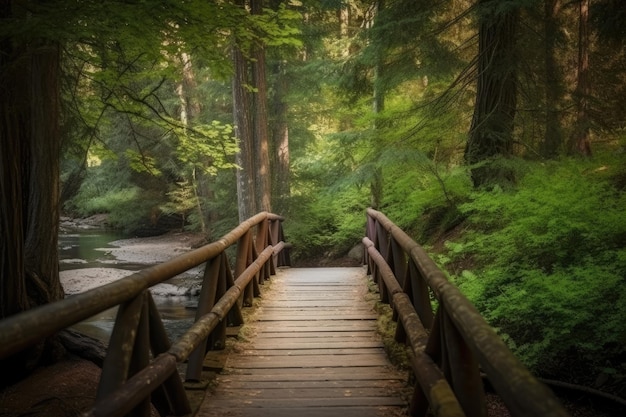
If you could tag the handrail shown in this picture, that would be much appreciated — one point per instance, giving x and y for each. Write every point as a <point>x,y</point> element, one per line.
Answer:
<point>451,347</point>
<point>129,375</point>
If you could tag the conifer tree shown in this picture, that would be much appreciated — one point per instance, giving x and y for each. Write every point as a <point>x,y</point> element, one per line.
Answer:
<point>491,133</point>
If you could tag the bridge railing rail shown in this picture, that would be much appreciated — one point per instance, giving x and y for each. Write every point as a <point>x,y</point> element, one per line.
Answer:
<point>140,359</point>
<point>451,345</point>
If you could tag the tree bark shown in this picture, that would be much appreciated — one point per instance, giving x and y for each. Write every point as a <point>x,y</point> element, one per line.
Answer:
<point>243,131</point>
<point>263,185</point>
<point>281,172</point>
<point>553,139</point>
<point>29,185</point>
<point>189,110</point>
<point>491,132</point>
<point>378,106</point>
<point>579,143</point>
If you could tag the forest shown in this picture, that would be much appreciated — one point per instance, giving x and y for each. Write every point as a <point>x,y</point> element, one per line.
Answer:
<point>492,131</point>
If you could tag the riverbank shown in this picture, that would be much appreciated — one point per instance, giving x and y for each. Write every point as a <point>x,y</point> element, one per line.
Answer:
<point>122,257</point>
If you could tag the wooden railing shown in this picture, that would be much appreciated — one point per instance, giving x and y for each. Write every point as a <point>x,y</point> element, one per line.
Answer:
<point>450,348</point>
<point>140,359</point>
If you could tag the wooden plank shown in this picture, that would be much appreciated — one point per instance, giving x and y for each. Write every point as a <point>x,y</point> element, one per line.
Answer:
<point>311,361</point>
<point>316,326</point>
<point>287,313</point>
<point>320,333</point>
<point>328,313</point>
<point>317,344</point>
<point>313,351</point>
<point>369,373</point>
<point>303,412</point>
<point>337,351</point>
<point>282,393</point>
<point>304,315</point>
<point>342,302</point>
<point>236,384</point>
<point>288,402</point>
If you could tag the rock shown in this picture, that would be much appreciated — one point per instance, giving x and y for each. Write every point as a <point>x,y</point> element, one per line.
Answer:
<point>356,252</point>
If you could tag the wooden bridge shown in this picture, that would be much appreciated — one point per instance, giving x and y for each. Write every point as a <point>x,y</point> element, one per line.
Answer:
<point>312,345</point>
<point>314,350</point>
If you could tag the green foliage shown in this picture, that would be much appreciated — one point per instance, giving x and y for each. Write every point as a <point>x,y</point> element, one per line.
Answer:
<point>328,225</point>
<point>107,189</point>
<point>422,197</point>
<point>549,264</point>
<point>206,147</point>
<point>181,200</point>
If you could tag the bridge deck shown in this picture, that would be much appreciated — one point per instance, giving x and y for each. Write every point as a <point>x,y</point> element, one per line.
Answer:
<point>313,351</point>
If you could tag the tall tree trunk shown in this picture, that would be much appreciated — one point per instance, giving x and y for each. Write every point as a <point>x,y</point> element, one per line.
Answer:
<point>491,132</point>
<point>579,142</point>
<point>29,185</point>
<point>243,130</point>
<point>263,186</point>
<point>553,139</point>
<point>279,115</point>
<point>189,110</point>
<point>378,105</point>
<point>280,140</point>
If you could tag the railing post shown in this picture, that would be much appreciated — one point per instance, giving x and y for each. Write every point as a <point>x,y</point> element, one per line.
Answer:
<point>141,354</point>
<point>397,261</point>
<point>417,289</point>
<point>283,257</point>
<point>172,399</point>
<point>206,301</point>
<point>117,363</point>
<point>246,254</point>
<point>448,349</point>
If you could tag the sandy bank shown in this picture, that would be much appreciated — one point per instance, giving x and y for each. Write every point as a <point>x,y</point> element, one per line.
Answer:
<point>139,251</point>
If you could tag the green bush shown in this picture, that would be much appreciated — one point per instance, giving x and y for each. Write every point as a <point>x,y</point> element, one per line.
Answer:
<point>549,265</point>
<point>107,189</point>
<point>328,226</point>
<point>422,198</point>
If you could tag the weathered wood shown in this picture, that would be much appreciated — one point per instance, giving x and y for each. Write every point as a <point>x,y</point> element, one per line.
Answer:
<point>312,361</point>
<point>289,402</point>
<point>229,383</point>
<point>343,411</point>
<point>315,351</point>
<point>369,373</point>
<point>305,352</point>
<point>327,334</point>
<point>315,326</point>
<point>314,343</point>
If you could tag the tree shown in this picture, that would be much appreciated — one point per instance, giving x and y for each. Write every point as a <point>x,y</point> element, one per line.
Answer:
<point>553,136</point>
<point>242,115</point>
<point>491,132</point>
<point>250,101</point>
<point>579,142</point>
<point>32,36</point>
<point>281,172</point>
<point>29,180</point>
<point>261,120</point>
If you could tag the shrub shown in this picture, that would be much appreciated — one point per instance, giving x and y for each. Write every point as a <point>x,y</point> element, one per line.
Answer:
<point>550,266</point>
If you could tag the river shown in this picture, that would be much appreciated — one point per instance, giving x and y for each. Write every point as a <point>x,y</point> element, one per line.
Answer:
<point>89,254</point>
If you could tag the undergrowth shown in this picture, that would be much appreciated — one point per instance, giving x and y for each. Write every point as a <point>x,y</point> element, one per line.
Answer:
<point>386,328</point>
<point>549,267</point>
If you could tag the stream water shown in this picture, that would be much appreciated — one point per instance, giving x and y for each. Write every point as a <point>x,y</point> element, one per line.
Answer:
<point>87,249</point>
